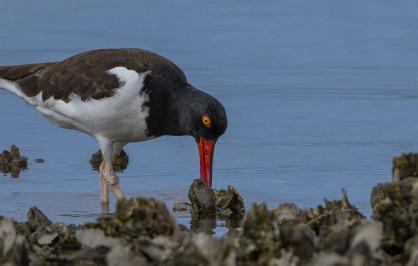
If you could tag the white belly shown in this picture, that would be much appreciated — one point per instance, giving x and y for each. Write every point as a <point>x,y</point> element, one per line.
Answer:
<point>120,118</point>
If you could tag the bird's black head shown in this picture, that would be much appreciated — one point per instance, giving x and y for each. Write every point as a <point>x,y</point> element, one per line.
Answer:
<point>189,111</point>
<point>185,111</point>
<point>203,116</point>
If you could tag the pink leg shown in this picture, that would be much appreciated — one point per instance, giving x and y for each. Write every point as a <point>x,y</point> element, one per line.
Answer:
<point>111,179</point>
<point>108,178</point>
<point>104,191</point>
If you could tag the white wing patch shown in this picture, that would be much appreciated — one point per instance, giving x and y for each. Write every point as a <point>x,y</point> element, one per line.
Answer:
<point>120,117</point>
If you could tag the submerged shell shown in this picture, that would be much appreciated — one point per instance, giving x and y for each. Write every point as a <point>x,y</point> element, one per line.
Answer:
<point>120,163</point>
<point>12,162</point>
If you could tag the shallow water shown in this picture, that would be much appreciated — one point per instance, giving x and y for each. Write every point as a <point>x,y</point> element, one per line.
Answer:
<point>320,96</point>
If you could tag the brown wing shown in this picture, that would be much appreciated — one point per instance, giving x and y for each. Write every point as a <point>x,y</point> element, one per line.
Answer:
<point>20,72</point>
<point>85,74</point>
<point>25,75</point>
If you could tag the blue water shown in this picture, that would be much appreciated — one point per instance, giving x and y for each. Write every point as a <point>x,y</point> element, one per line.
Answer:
<point>320,96</point>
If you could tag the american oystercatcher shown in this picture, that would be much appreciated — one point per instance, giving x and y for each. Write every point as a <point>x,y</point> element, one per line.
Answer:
<point>120,96</point>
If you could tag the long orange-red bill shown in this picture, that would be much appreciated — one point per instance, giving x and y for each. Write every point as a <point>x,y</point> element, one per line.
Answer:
<point>206,150</point>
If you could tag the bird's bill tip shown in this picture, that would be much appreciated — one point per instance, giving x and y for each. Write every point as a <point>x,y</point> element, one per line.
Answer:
<point>206,150</point>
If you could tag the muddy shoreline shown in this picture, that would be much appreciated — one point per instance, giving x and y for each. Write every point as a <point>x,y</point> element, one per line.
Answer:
<point>143,232</point>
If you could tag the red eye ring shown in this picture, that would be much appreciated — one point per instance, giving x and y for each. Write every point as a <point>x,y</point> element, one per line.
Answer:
<point>206,121</point>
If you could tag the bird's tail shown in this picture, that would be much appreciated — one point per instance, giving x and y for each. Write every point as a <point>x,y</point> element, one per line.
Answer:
<point>11,77</point>
<point>10,86</point>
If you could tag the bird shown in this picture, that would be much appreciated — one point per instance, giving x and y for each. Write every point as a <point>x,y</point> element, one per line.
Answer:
<point>120,96</point>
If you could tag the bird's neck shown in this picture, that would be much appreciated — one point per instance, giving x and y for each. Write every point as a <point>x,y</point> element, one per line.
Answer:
<point>168,113</point>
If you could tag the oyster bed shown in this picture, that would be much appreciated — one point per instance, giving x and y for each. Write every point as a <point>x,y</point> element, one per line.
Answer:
<point>143,232</point>
<point>12,162</point>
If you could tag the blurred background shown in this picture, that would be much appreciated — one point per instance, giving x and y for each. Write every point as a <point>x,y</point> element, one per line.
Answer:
<point>320,95</point>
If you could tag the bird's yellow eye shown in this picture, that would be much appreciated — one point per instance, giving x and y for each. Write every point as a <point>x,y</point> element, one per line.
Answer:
<point>206,121</point>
